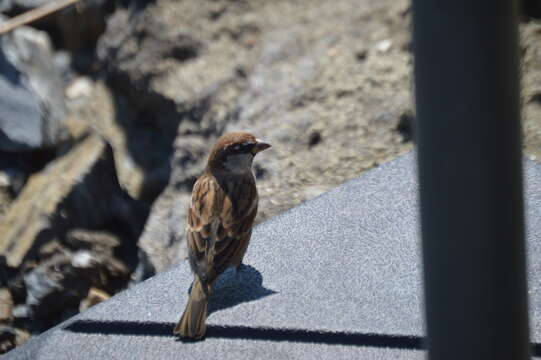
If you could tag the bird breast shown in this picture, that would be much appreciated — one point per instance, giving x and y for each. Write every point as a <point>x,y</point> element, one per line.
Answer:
<point>238,163</point>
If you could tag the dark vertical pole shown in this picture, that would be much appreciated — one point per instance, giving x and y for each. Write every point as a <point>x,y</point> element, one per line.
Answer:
<point>531,8</point>
<point>469,157</point>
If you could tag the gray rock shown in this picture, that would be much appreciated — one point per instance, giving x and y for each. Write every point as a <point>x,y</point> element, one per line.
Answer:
<point>54,286</point>
<point>72,227</point>
<point>21,311</point>
<point>142,51</point>
<point>62,60</point>
<point>59,284</point>
<point>162,241</point>
<point>77,190</point>
<point>32,108</point>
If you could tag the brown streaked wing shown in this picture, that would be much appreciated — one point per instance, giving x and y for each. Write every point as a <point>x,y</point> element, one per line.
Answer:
<point>200,215</point>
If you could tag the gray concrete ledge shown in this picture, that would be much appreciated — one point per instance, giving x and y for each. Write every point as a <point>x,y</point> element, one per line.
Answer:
<point>335,278</point>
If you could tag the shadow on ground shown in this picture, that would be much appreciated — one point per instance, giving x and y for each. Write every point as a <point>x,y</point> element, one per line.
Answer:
<point>165,329</point>
<point>135,328</point>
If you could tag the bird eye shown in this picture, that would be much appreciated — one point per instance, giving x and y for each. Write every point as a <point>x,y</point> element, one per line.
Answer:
<point>247,147</point>
<point>243,148</point>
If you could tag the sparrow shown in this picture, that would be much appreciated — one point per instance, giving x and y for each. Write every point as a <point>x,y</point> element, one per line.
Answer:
<point>220,219</point>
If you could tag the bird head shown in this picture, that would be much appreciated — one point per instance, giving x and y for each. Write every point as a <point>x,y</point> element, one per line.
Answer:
<point>234,152</point>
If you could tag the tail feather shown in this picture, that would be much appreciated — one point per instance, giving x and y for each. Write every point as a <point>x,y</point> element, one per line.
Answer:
<point>192,324</point>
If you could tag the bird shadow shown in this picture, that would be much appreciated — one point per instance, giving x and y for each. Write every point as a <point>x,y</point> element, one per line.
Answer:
<point>235,287</point>
<point>232,288</point>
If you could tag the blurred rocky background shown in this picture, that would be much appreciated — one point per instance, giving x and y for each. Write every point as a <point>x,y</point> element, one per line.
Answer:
<point>109,107</point>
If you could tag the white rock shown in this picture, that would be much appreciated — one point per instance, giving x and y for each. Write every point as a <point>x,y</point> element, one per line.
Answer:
<point>78,88</point>
<point>384,45</point>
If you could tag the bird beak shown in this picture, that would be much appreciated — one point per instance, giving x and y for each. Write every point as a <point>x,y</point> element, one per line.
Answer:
<point>260,146</point>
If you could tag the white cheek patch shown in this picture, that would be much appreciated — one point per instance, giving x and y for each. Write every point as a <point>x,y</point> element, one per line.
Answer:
<point>239,163</point>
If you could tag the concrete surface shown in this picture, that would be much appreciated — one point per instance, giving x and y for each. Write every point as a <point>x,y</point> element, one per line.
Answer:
<point>335,278</point>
